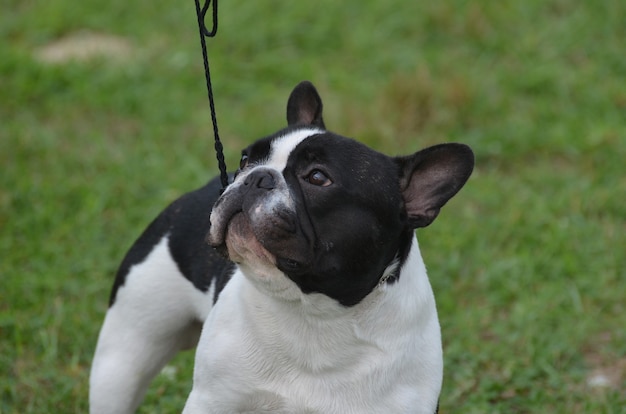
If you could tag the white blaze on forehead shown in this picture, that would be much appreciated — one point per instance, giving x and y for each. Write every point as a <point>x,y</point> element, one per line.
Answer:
<point>281,147</point>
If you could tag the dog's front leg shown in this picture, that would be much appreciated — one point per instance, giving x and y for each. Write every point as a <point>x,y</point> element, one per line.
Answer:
<point>122,368</point>
<point>155,314</point>
<point>129,354</point>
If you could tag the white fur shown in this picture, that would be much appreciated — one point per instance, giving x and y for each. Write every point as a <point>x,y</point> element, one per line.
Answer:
<point>311,355</point>
<point>157,312</point>
<point>282,147</point>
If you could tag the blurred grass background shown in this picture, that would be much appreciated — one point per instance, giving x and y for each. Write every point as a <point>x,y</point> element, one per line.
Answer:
<point>104,120</point>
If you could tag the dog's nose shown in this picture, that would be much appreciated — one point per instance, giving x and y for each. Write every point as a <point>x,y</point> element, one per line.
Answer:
<point>261,179</point>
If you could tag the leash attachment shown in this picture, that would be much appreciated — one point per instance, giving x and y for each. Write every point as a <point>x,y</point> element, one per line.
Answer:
<point>201,12</point>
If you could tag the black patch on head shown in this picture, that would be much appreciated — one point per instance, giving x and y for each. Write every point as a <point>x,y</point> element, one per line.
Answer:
<point>260,150</point>
<point>355,227</point>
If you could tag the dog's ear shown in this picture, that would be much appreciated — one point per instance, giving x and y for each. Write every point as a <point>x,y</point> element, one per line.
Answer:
<point>304,106</point>
<point>430,177</point>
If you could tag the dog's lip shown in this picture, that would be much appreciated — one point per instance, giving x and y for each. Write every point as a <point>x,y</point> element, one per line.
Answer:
<point>218,239</point>
<point>216,236</point>
<point>225,208</point>
<point>241,241</point>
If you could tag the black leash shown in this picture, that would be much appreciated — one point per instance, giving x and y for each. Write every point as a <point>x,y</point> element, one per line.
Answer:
<point>204,32</point>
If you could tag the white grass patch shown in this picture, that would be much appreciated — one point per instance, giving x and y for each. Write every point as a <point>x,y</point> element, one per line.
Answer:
<point>85,46</point>
<point>169,372</point>
<point>608,376</point>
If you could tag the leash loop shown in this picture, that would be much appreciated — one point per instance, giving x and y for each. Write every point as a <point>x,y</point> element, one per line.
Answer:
<point>204,32</point>
<point>203,12</point>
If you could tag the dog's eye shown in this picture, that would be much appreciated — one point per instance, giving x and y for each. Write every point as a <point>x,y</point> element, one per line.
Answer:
<point>243,163</point>
<point>318,178</point>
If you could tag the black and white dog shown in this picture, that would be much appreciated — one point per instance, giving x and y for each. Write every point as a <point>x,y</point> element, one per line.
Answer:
<point>315,298</point>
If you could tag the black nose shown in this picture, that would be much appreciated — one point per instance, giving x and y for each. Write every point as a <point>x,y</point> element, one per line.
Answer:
<point>261,179</point>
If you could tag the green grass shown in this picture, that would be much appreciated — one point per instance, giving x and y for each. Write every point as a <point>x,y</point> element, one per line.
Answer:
<point>527,262</point>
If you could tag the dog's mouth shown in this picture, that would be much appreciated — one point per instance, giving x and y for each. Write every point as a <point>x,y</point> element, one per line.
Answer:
<point>224,210</point>
<point>245,229</point>
<point>230,234</point>
<point>235,238</point>
<point>241,243</point>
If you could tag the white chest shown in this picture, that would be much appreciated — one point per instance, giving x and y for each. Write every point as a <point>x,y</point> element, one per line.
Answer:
<point>381,356</point>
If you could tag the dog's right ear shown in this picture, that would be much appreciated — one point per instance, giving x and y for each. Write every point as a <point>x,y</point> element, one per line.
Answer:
<point>304,106</point>
<point>430,177</point>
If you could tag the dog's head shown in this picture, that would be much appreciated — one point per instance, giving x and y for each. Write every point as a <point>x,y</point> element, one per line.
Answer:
<point>325,212</point>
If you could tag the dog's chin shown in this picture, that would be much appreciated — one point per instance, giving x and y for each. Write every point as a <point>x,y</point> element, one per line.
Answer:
<point>242,244</point>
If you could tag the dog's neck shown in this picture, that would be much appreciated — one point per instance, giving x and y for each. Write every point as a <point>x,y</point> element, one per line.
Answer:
<point>314,315</point>
<point>324,345</point>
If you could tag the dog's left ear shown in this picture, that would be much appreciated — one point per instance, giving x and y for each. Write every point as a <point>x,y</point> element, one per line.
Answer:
<point>430,177</point>
<point>304,106</point>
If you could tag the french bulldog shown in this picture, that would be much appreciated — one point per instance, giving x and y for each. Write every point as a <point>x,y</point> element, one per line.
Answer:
<point>312,296</point>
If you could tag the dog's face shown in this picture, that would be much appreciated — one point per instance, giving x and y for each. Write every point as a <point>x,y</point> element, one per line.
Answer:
<point>310,211</point>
